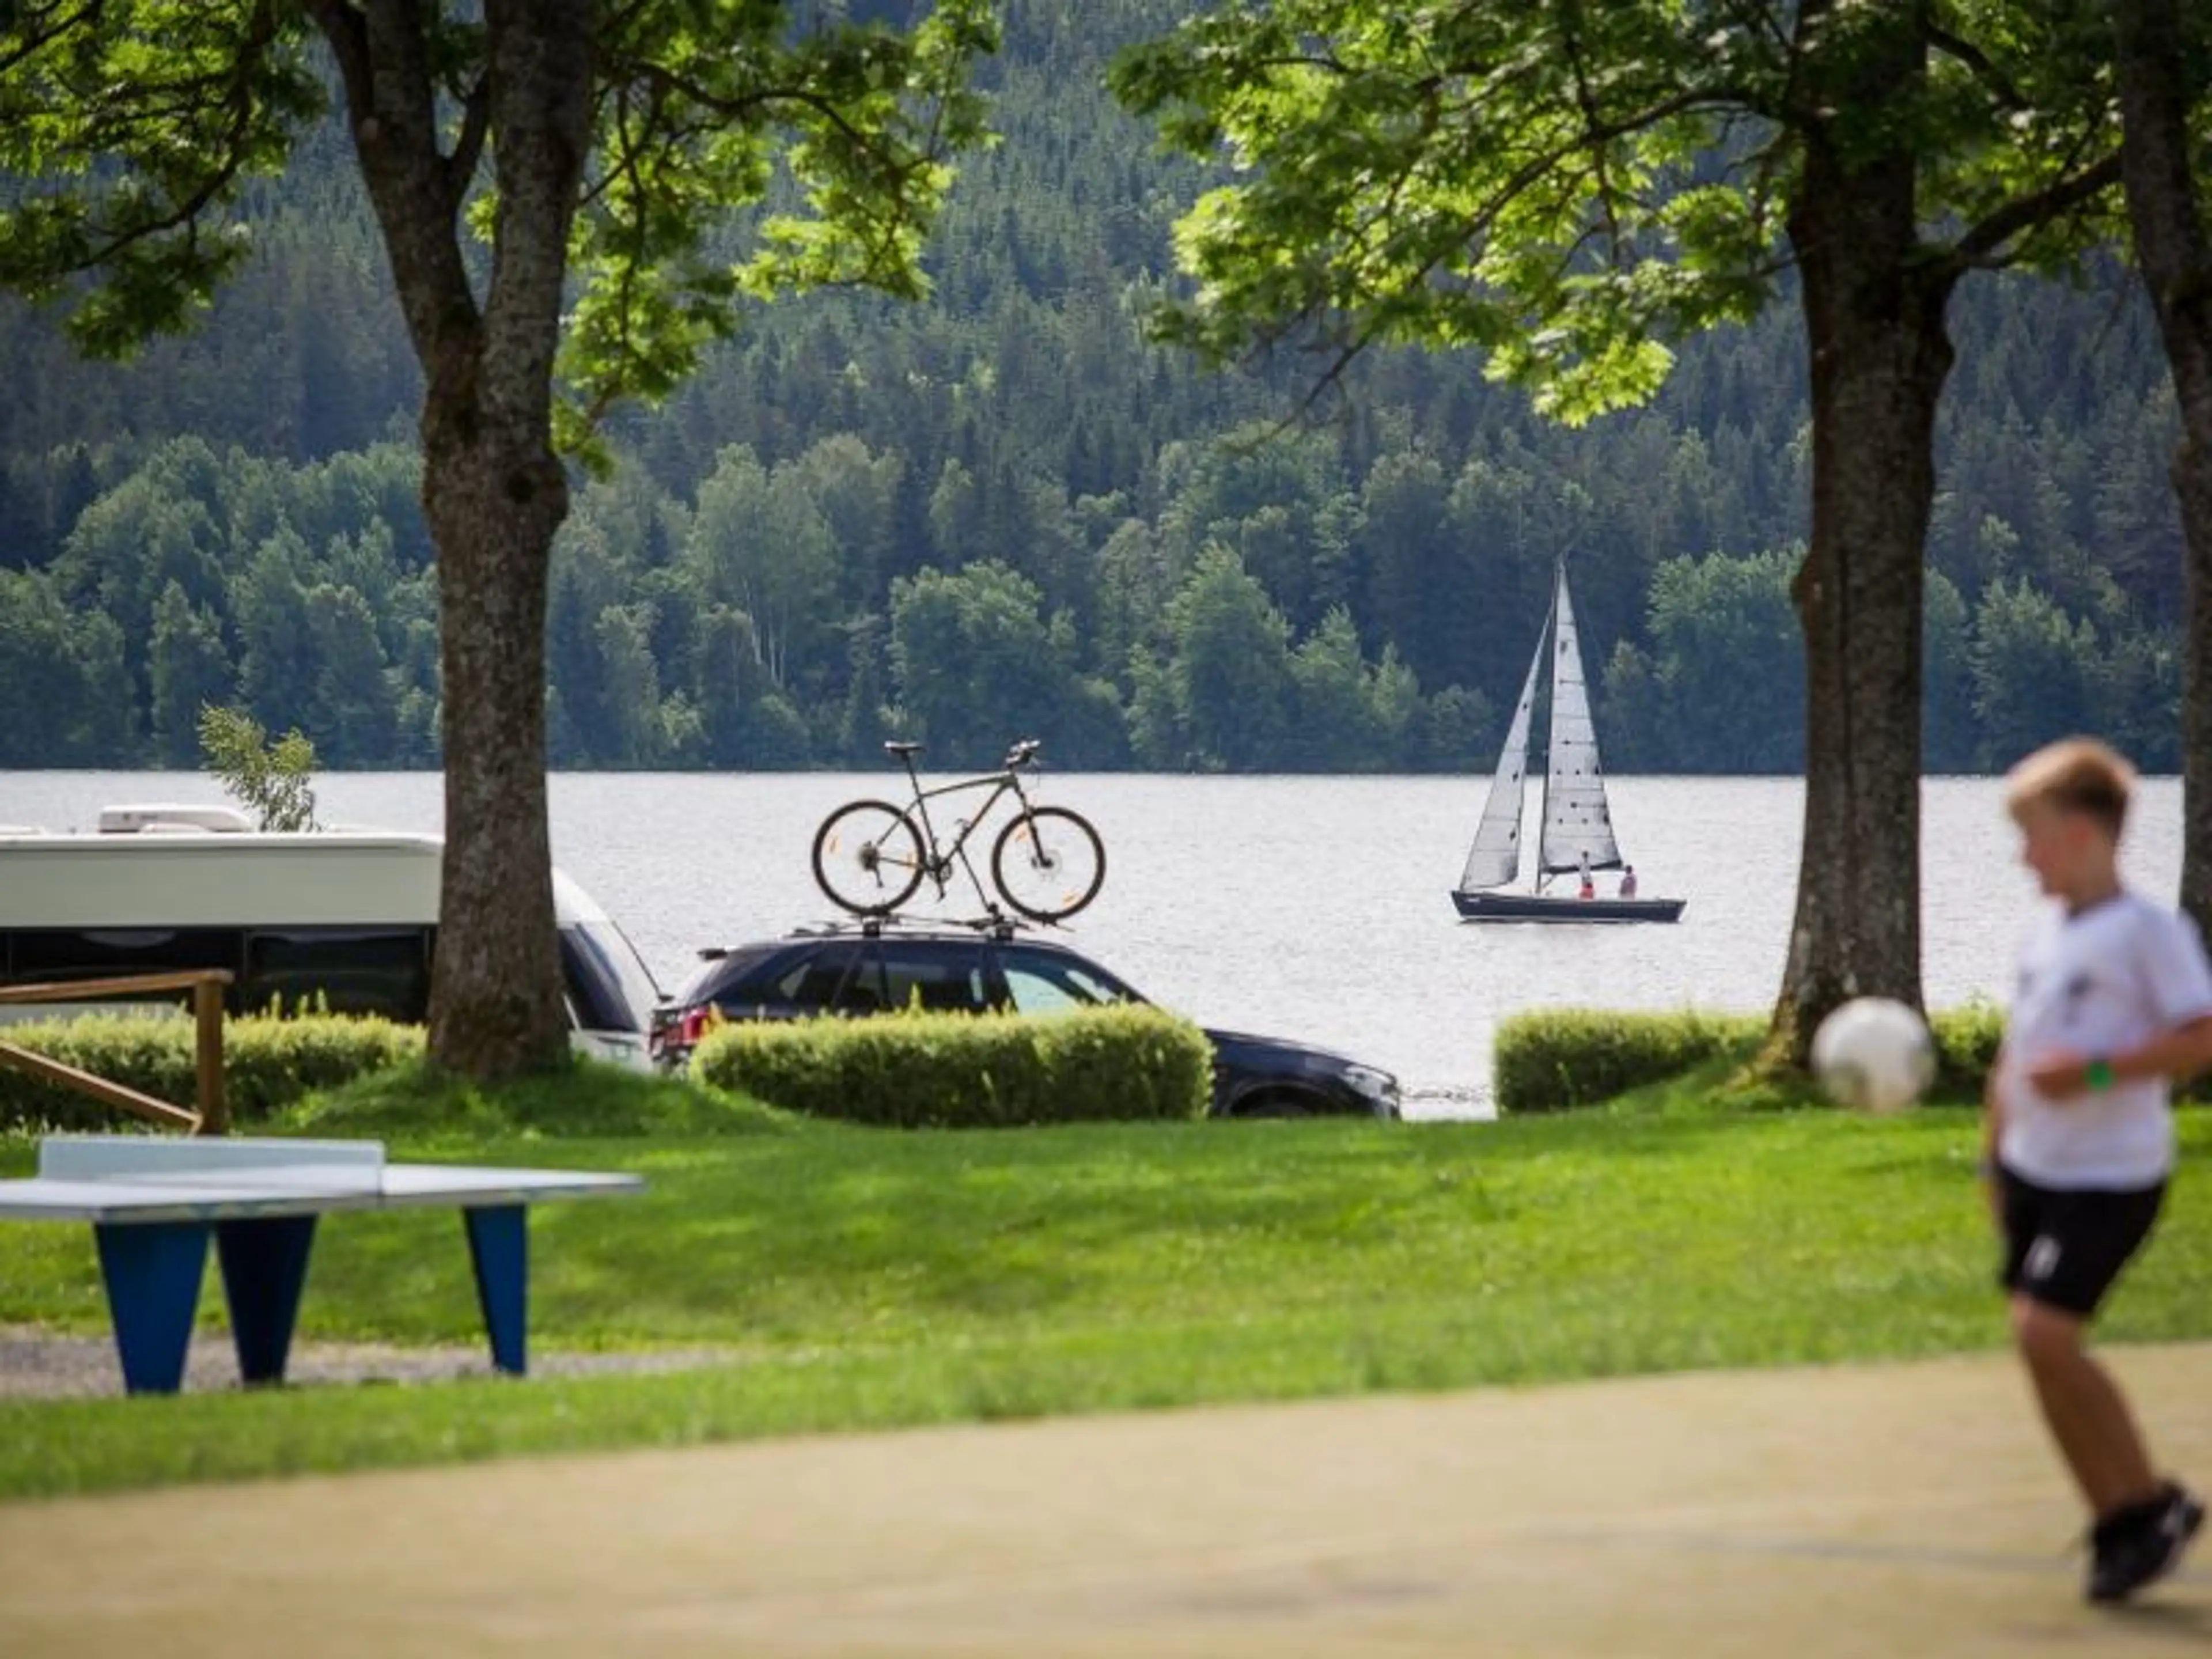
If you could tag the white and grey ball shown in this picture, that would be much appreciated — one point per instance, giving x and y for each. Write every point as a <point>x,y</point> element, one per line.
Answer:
<point>1873,1053</point>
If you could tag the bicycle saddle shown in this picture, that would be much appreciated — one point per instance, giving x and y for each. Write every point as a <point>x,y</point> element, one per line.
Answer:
<point>896,748</point>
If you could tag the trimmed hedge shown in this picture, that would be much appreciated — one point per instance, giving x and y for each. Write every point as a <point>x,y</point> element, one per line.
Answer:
<point>1564,1058</point>
<point>914,1071</point>
<point>268,1063</point>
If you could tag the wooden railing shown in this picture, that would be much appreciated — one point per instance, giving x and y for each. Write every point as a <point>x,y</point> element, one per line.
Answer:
<point>206,985</point>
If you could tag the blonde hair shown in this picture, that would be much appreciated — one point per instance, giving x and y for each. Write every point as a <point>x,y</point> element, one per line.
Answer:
<point>2075,774</point>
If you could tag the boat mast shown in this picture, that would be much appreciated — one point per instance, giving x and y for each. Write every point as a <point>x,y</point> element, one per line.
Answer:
<point>1544,796</point>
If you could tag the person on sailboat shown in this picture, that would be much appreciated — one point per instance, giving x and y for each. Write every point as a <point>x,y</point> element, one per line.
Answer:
<point>1628,881</point>
<point>1589,886</point>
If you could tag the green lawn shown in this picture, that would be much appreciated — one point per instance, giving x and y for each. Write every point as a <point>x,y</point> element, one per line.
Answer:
<point>865,1278</point>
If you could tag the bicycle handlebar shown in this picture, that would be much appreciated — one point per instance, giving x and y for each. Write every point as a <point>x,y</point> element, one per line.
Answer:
<point>1023,752</point>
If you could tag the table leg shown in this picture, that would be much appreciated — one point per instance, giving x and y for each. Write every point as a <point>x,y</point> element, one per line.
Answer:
<point>499,1250</point>
<point>152,1271</point>
<point>265,1264</point>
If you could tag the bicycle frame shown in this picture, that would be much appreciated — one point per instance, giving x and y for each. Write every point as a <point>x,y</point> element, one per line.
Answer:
<point>937,863</point>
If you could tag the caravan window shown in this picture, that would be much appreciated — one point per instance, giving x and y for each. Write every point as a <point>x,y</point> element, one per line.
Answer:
<point>609,987</point>
<point>38,954</point>
<point>385,971</point>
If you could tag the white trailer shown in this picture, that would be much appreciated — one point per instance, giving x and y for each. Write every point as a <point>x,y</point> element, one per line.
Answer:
<point>342,918</point>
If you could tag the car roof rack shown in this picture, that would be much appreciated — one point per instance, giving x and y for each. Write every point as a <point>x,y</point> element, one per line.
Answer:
<point>997,924</point>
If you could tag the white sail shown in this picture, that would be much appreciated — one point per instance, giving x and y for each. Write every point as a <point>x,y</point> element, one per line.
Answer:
<point>1578,825</point>
<point>1495,858</point>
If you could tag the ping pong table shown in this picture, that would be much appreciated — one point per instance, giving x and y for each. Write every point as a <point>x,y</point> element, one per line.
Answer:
<point>154,1205</point>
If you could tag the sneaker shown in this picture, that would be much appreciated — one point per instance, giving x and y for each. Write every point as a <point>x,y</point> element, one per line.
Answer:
<point>2142,1543</point>
<point>2104,1542</point>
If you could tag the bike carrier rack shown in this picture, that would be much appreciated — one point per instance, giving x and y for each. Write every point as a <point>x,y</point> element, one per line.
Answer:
<point>999,924</point>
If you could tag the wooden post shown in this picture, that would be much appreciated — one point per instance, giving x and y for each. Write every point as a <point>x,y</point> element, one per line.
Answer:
<point>207,1016</point>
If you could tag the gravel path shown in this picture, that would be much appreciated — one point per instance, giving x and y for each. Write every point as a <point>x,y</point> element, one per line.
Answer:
<point>37,1363</point>
<point>1862,1512</point>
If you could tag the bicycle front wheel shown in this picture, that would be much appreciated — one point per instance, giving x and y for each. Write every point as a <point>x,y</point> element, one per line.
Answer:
<point>1048,863</point>
<point>867,857</point>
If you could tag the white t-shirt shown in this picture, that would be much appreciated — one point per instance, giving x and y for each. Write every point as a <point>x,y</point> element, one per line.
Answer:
<point>2094,984</point>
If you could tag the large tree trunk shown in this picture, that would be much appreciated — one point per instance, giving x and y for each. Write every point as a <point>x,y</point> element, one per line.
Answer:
<point>493,489</point>
<point>494,499</point>
<point>1874,314</point>
<point>2176,259</point>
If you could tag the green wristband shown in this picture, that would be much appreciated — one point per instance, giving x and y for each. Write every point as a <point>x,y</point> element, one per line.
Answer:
<point>2098,1074</point>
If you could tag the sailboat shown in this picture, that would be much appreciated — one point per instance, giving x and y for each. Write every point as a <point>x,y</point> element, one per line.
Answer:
<point>1577,835</point>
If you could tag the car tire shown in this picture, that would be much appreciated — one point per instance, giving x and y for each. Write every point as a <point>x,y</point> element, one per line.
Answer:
<point>1284,1103</point>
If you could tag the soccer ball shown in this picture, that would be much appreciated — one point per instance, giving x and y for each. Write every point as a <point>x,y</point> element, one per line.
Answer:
<point>1873,1053</point>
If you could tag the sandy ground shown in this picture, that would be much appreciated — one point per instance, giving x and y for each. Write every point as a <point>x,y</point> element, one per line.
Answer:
<point>1879,1510</point>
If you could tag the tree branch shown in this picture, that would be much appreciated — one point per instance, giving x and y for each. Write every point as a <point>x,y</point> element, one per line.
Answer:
<point>1587,102</point>
<point>347,31</point>
<point>468,145</point>
<point>231,91</point>
<point>663,80</point>
<point>1980,245</point>
<point>1592,138</point>
<point>42,36</point>
<point>391,118</point>
<point>2008,95</point>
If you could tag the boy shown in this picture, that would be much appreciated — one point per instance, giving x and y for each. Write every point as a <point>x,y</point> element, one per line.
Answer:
<point>2114,1000</point>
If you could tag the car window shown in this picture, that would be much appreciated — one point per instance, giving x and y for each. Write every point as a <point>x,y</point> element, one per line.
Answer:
<point>812,981</point>
<point>750,973</point>
<point>894,974</point>
<point>1045,982</point>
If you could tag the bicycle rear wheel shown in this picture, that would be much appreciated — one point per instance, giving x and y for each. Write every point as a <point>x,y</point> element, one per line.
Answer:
<point>1048,863</point>
<point>867,857</point>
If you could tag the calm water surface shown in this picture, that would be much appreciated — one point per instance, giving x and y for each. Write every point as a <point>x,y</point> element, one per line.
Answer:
<point>1312,908</point>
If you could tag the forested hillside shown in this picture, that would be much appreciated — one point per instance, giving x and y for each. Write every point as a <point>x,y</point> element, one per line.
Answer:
<point>1001,512</point>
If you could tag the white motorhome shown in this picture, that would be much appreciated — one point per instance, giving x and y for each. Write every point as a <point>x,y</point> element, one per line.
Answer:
<point>342,917</point>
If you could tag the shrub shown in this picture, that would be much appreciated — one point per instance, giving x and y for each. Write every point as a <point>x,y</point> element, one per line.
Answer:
<point>268,1063</point>
<point>965,1071</point>
<point>1569,1057</point>
<point>1967,1038</point>
<point>1566,1057</point>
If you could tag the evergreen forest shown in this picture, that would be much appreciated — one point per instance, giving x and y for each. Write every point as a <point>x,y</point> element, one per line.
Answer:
<point>1001,512</point>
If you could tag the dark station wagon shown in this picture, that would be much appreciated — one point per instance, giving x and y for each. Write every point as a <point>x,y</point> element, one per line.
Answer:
<point>860,971</point>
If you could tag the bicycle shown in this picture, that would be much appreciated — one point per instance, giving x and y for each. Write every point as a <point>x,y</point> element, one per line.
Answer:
<point>1047,864</point>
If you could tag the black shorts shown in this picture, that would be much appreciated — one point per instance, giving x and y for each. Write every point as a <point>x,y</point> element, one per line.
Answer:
<point>2065,1248</point>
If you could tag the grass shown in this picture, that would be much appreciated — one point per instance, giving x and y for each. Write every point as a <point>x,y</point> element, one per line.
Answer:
<point>412,1102</point>
<point>865,1279</point>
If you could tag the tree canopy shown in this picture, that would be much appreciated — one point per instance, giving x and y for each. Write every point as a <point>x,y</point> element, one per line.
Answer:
<point>1565,190</point>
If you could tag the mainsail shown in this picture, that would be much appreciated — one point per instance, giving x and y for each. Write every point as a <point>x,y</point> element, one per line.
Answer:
<point>1577,826</point>
<point>1495,858</point>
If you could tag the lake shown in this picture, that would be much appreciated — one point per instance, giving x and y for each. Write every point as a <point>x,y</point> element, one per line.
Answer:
<point>1309,907</point>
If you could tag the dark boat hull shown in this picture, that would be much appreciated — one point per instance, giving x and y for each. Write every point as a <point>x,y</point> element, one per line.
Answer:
<point>1555,906</point>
